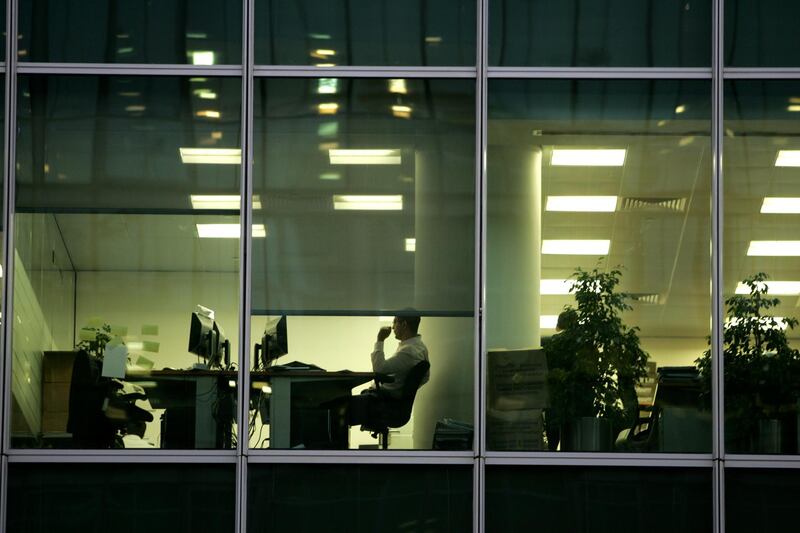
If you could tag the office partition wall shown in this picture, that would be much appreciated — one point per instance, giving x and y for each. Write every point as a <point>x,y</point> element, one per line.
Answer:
<point>211,209</point>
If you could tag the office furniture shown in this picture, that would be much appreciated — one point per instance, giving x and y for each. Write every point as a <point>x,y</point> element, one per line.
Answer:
<point>395,412</point>
<point>56,378</point>
<point>99,413</point>
<point>296,414</point>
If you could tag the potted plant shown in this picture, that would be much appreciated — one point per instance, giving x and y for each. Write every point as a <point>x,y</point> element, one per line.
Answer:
<point>762,372</point>
<point>594,363</point>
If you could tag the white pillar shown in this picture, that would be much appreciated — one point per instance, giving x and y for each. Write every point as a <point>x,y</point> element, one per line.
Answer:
<point>514,240</point>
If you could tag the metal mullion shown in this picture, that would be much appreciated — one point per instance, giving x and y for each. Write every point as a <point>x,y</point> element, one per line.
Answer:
<point>3,491</point>
<point>364,72</point>
<point>646,73</point>
<point>761,73</point>
<point>763,461</point>
<point>8,223</point>
<point>246,247</point>
<point>479,494</point>
<point>130,70</point>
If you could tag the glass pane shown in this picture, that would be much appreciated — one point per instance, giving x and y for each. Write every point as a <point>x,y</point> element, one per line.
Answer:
<point>762,362</point>
<point>359,498</point>
<point>200,32</point>
<point>95,498</point>
<point>587,33</point>
<point>761,500</point>
<point>598,265</point>
<point>557,499</point>
<point>120,239</point>
<point>761,34</point>
<point>365,32</point>
<point>364,198</point>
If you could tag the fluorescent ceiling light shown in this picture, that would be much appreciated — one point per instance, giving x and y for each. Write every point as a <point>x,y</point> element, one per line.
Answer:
<point>328,108</point>
<point>364,157</point>
<point>220,201</point>
<point>202,57</point>
<point>208,113</point>
<point>135,108</point>
<point>781,205</point>
<point>325,52</point>
<point>774,248</point>
<point>589,204</point>
<point>330,176</point>
<point>325,65</point>
<point>398,86</point>
<point>411,244</point>
<point>680,109</point>
<point>327,85</point>
<point>793,108</point>
<point>556,286</point>
<point>599,157</point>
<point>784,288</point>
<point>358,202</point>
<point>788,158</point>
<point>227,231</point>
<point>401,111</point>
<point>211,156</point>
<point>205,94</point>
<point>548,321</point>
<point>576,247</point>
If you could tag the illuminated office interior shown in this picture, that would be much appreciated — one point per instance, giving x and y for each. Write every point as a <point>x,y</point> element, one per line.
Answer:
<point>212,210</point>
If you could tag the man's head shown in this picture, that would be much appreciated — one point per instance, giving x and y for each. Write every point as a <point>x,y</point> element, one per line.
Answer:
<point>405,327</point>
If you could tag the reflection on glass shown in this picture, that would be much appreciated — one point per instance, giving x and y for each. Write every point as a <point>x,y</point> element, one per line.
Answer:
<point>126,264</point>
<point>200,32</point>
<point>367,198</point>
<point>762,362</point>
<point>598,499</point>
<point>615,33</point>
<point>326,33</point>
<point>761,34</point>
<point>89,497</point>
<point>598,265</point>
<point>387,498</point>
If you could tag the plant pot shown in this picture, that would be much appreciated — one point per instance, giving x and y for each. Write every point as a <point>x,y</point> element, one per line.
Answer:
<point>587,434</point>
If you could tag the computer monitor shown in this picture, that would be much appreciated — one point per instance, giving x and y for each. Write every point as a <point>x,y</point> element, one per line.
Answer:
<point>222,349</point>
<point>274,342</point>
<point>207,340</point>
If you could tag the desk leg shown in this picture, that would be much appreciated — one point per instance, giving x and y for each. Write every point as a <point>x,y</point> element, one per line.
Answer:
<point>280,414</point>
<point>205,427</point>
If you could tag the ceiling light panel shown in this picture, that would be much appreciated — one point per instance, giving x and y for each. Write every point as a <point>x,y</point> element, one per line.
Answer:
<point>364,157</point>
<point>576,247</point>
<point>781,205</point>
<point>220,202</point>
<point>783,288</point>
<point>593,157</point>
<point>555,286</point>
<point>228,231</point>
<point>356,202</point>
<point>774,248</point>
<point>788,158</point>
<point>211,156</point>
<point>588,204</point>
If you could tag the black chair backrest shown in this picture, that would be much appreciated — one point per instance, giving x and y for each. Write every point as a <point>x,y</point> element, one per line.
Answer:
<point>398,412</point>
<point>414,380</point>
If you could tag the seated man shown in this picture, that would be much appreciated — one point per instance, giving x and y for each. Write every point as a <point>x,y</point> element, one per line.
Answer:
<point>410,351</point>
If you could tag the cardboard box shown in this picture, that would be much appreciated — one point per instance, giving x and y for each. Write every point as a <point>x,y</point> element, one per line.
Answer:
<point>57,367</point>
<point>521,430</point>
<point>517,380</point>
<point>55,397</point>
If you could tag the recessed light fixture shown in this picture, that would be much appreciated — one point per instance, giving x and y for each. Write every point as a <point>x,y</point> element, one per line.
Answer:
<point>325,65</point>
<point>228,231</point>
<point>328,108</point>
<point>548,321</point>
<point>364,157</point>
<point>398,86</point>
<point>327,85</point>
<point>774,248</point>
<point>794,108</point>
<point>680,109</point>
<point>780,205</point>
<point>330,176</point>
<point>592,157</point>
<point>325,52</point>
<point>211,156</point>
<point>788,158</point>
<point>204,57</point>
<point>411,244</point>
<point>205,94</point>
<point>576,247</point>
<point>208,113</point>
<point>401,111</point>
<point>783,288</point>
<point>555,286</point>
<point>365,202</point>
<point>589,204</point>
<point>220,202</point>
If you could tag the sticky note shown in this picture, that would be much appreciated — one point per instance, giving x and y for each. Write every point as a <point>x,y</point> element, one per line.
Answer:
<point>114,361</point>
<point>149,329</point>
<point>150,346</point>
<point>119,330</point>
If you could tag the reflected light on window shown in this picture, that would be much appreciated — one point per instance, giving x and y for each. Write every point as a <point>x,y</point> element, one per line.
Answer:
<point>788,158</point>
<point>774,248</point>
<point>202,57</point>
<point>588,204</point>
<point>327,85</point>
<point>208,113</point>
<point>328,108</point>
<point>220,202</point>
<point>211,156</point>
<point>401,111</point>
<point>364,157</point>
<point>576,247</point>
<point>587,157</point>
<point>783,288</point>
<point>366,202</point>
<point>398,86</point>
<point>227,231</point>
<point>780,205</point>
<point>411,244</point>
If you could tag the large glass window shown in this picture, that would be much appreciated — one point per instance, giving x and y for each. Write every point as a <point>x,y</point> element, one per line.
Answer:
<point>359,498</point>
<point>556,499</point>
<point>128,498</point>
<point>200,32</point>
<point>610,33</point>
<point>761,34</point>
<point>762,277</point>
<point>363,212</point>
<point>328,33</point>
<point>126,262</point>
<point>598,266</point>
<point>761,499</point>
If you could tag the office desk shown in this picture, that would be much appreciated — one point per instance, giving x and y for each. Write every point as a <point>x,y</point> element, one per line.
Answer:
<point>294,392</point>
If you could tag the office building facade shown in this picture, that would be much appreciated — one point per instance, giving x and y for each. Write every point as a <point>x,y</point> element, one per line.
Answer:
<point>213,209</point>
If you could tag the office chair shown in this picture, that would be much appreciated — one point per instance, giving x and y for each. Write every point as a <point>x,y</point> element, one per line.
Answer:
<point>395,412</point>
<point>99,413</point>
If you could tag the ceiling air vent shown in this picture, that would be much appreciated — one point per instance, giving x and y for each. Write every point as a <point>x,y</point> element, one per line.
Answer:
<point>628,203</point>
<point>646,298</point>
